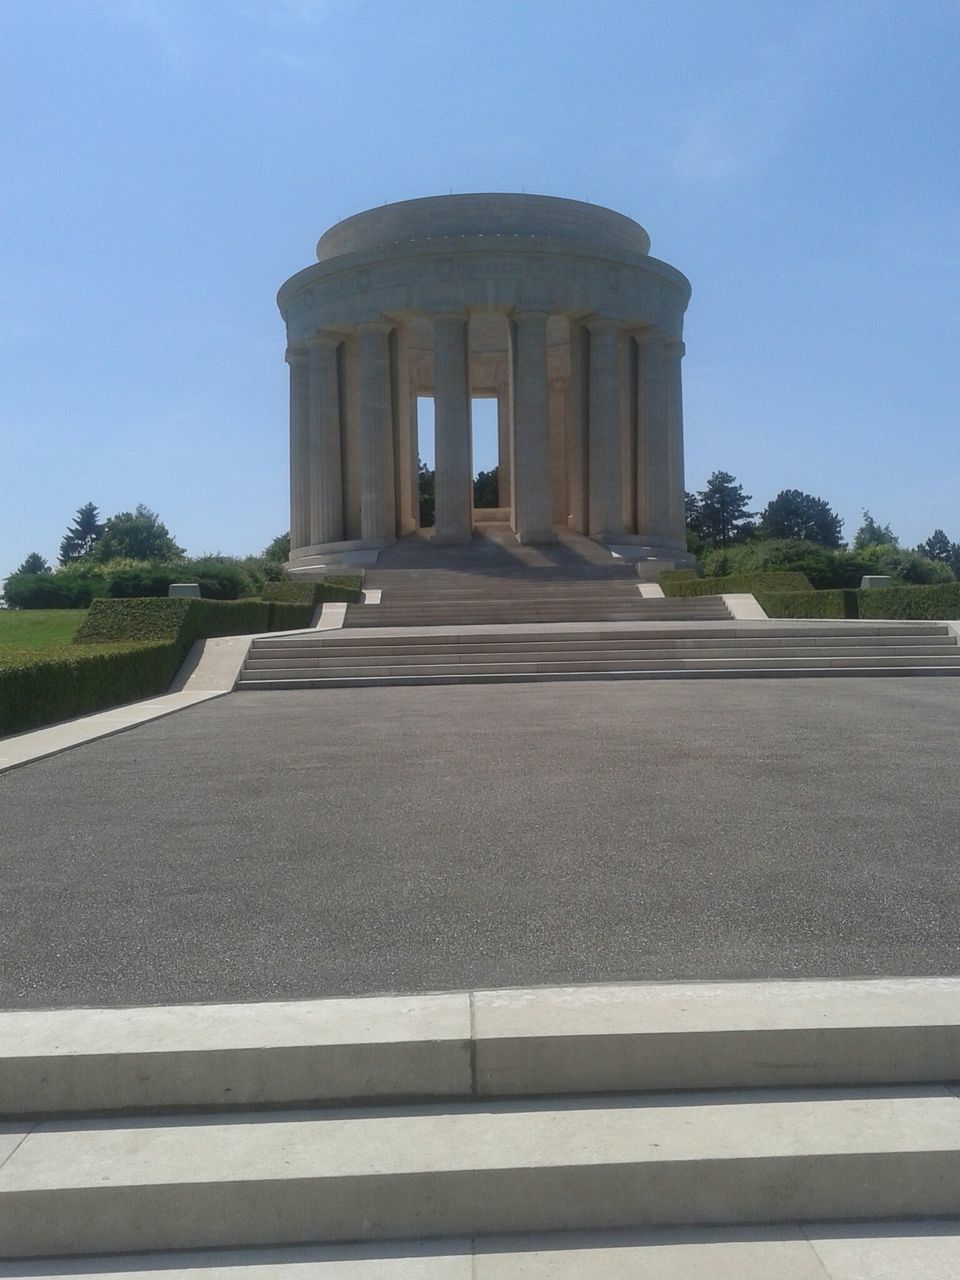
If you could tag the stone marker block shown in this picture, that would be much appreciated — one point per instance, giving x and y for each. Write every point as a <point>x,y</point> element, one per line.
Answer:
<point>181,590</point>
<point>874,580</point>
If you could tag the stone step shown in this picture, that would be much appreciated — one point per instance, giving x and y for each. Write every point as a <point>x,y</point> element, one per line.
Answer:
<point>652,649</point>
<point>613,1038</point>
<point>595,661</point>
<point>558,633</point>
<point>464,677</point>
<point>507,666</point>
<point>415,618</point>
<point>894,1250</point>
<point>270,1178</point>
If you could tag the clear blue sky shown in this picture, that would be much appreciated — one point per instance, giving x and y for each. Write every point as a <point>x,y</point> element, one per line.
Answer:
<point>168,163</point>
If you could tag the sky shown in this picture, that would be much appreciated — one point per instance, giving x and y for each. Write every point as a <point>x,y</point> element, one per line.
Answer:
<point>166,164</point>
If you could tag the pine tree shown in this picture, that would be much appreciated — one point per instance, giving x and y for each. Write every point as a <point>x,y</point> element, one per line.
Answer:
<point>34,563</point>
<point>723,510</point>
<point>79,539</point>
<point>793,514</point>
<point>873,534</point>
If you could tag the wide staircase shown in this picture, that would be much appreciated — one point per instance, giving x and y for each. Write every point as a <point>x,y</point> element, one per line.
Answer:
<point>558,651</point>
<point>731,1131</point>
<point>496,611</point>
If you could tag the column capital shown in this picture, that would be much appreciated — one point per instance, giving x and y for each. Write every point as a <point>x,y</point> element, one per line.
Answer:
<point>650,337</point>
<point>293,355</point>
<point>374,326</point>
<point>532,315</point>
<point>448,317</point>
<point>603,324</point>
<point>326,338</point>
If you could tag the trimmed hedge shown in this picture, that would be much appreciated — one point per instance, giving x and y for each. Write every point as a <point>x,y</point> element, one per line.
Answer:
<point>181,620</point>
<point>753,583</point>
<point>935,600</point>
<point>125,650</point>
<point>832,603</point>
<point>290,617</point>
<point>344,587</point>
<point>52,590</point>
<point>40,691</point>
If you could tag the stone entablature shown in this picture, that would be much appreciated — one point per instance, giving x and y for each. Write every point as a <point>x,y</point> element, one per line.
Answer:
<point>552,306</point>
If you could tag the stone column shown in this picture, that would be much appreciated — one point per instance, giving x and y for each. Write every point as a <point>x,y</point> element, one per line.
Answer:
<point>531,428</point>
<point>606,490</point>
<point>296,358</point>
<point>451,400</point>
<point>504,449</point>
<point>577,397</point>
<point>326,476</point>
<point>414,418</point>
<point>676,516</point>
<point>653,440</point>
<point>377,493</point>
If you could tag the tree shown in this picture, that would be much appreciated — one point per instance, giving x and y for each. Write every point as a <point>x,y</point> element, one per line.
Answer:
<point>279,549</point>
<point>136,535</point>
<point>723,510</point>
<point>427,498</point>
<point>872,534</point>
<point>693,514</point>
<point>792,514</point>
<point>34,563</point>
<point>936,547</point>
<point>83,534</point>
<point>486,488</point>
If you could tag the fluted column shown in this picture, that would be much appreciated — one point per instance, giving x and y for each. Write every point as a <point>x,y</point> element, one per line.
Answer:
<point>296,358</point>
<point>326,475</point>
<point>654,440</point>
<point>451,402</point>
<point>577,411</point>
<point>504,449</point>
<point>377,493</point>
<point>676,521</point>
<point>605,487</point>
<point>531,428</point>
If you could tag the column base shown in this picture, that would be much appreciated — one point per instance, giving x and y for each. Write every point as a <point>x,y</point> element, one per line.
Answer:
<point>450,537</point>
<point>358,552</point>
<point>535,537</point>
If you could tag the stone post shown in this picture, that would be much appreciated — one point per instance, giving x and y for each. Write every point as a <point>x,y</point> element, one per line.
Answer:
<point>606,498</point>
<point>296,358</point>
<point>377,492</point>
<point>326,476</point>
<point>451,399</point>
<point>653,440</point>
<point>531,428</point>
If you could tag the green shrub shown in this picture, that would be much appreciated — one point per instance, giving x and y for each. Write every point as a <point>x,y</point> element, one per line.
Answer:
<point>833,603</point>
<point>823,567</point>
<point>737,582</point>
<point>344,586</point>
<point>79,681</point>
<point>52,590</point>
<point>290,617</point>
<point>182,621</point>
<point>904,566</point>
<point>940,600</point>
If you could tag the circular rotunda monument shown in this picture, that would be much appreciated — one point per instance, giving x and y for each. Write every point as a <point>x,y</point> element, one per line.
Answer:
<point>553,307</point>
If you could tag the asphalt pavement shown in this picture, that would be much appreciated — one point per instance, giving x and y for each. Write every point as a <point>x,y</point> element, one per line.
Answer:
<point>351,841</point>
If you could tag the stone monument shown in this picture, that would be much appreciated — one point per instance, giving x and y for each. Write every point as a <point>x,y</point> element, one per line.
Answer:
<point>553,307</point>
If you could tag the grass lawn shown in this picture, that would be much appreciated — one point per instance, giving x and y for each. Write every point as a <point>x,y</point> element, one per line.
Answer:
<point>33,630</point>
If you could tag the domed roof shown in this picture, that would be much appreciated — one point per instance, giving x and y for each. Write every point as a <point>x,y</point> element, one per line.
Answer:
<point>491,214</point>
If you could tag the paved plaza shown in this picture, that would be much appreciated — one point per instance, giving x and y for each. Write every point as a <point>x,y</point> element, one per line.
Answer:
<point>355,841</point>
